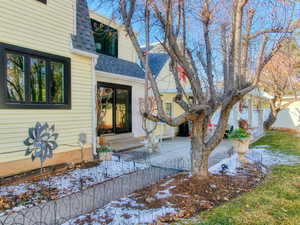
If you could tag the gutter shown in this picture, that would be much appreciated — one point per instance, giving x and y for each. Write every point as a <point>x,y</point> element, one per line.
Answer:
<point>94,115</point>
<point>121,77</point>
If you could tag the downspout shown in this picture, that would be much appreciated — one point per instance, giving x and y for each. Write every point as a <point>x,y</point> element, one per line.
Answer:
<point>94,116</point>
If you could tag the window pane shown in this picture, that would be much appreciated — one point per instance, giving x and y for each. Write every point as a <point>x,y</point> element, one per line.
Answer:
<point>15,78</point>
<point>57,87</point>
<point>105,100</point>
<point>168,108</point>
<point>122,109</point>
<point>106,38</point>
<point>38,80</point>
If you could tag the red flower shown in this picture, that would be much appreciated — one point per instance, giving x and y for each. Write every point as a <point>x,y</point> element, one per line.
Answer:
<point>182,74</point>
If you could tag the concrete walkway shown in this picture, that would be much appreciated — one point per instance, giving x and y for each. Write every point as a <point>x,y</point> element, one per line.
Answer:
<point>173,150</point>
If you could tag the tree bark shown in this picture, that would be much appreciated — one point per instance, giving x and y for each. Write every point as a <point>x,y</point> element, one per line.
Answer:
<point>271,120</point>
<point>200,154</point>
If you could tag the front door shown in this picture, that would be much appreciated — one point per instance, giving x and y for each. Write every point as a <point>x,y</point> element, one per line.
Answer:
<point>113,108</point>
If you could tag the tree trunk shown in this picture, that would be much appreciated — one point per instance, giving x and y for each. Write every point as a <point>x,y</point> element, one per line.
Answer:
<point>199,157</point>
<point>271,119</point>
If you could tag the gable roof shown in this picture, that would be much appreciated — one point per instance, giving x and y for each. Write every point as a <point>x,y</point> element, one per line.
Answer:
<point>114,65</point>
<point>157,62</point>
<point>83,40</point>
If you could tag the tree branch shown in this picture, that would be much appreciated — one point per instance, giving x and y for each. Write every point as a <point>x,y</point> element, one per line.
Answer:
<point>270,31</point>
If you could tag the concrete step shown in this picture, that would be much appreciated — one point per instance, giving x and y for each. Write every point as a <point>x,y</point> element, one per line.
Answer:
<point>126,146</point>
<point>123,142</point>
<point>115,137</point>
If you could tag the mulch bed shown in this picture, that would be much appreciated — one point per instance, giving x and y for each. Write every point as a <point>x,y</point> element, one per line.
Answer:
<point>191,195</point>
<point>184,194</point>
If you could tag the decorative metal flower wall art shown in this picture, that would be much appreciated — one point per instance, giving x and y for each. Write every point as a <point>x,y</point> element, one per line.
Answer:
<point>41,142</point>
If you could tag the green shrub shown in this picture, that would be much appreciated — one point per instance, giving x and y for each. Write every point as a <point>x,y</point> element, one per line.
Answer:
<point>103,149</point>
<point>239,134</point>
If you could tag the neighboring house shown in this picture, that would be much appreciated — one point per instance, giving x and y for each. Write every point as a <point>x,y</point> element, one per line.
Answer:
<point>289,117</point>
<point>253,103</point>
<point>49,68</point>
<point>159,62</point>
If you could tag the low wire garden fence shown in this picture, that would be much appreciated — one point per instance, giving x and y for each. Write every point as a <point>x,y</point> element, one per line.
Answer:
<point>88,198</point>
<point>61,210</point>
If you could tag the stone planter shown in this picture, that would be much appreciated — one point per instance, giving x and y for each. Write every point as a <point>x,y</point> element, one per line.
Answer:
<point>105,156</point>
<point>241,147</point>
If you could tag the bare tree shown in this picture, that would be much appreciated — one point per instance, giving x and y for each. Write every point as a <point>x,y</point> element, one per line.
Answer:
<point>148,126</point>
<point>280,78</point>
<point>227,41</point>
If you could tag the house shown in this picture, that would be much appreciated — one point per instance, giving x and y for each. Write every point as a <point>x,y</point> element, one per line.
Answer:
<point>159,62</point>
<point>51,68</point>
<point>251,108</point>
<point>290,116</point>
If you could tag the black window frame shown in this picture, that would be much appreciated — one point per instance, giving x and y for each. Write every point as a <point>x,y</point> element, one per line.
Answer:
<point>42,1</point>
<point>114,86</point>
<point>112,29</point>
<point>29,53</point>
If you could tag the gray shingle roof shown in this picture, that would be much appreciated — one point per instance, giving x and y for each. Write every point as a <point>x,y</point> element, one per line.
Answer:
<point>83,40</point>
<point>114,65</point>
<point>157,62</point>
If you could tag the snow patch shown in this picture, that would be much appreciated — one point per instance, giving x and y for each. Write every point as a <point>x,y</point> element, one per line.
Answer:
<point>262,146</point>
<point>265,157</point>
<point>116,214</point>
<point>164,193</point>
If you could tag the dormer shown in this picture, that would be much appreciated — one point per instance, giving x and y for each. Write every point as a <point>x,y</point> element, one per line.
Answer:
<point>111,38</point>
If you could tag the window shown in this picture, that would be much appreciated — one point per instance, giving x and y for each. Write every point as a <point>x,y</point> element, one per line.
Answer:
<point>43,1</point>
<point>32,79</point>
<point>37,80</point>
<point>106,38</point>
<point>168,108</point>
<point>15,81</point>
<point>57,88</point>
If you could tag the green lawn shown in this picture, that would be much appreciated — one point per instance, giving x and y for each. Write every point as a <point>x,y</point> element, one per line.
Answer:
<point>281,141</point>
<point>275,202</point>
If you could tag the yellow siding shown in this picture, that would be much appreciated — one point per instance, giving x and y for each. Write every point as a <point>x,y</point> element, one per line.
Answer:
<point>169,98</point>
<point>47,28</point>
<point>125,47</point>
<point>164,129</point>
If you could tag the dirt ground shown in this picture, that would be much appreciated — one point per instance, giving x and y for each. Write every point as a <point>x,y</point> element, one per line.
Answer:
<point>191,195</point>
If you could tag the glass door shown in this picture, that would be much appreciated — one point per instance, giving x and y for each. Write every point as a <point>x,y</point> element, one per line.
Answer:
<point>113,108</point>
<point>123,114</point>
<point>105,113</point>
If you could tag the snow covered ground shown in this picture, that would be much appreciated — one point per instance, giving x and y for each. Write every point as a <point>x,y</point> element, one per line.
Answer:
<point>259,155</point>
<point>122,212</point>
<point>128,211</point>
<point>73,181</point>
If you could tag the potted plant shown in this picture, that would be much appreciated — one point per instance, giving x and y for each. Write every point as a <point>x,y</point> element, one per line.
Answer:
<point>104,152</point>
<point>240,139</point>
